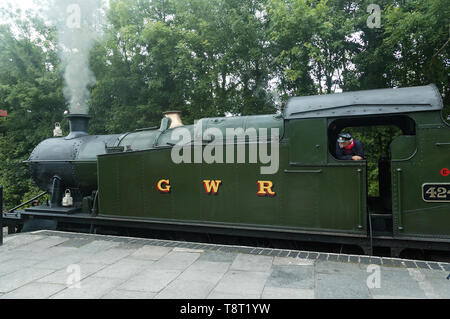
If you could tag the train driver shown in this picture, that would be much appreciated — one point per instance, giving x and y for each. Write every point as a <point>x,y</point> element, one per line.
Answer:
<point>349,148</point>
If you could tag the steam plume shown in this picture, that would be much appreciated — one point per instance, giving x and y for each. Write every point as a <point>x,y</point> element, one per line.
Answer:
<point>76,21</point>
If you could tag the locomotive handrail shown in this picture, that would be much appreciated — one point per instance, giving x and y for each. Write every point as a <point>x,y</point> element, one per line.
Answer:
<point>27,202</point>
<point>147,129</point>
<point>360,180</point>
<point>60,161</point>
<point>121,137</point>
<point>303,171</point>
<point>330,164</point>
<point>439,144</point>
<point>399,199</point>
<point>204,142</point>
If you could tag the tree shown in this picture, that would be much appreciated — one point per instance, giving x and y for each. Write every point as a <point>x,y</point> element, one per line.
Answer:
<point>31,92</point>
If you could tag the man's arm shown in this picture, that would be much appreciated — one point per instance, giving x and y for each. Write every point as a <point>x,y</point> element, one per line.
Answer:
<point>340,154</point>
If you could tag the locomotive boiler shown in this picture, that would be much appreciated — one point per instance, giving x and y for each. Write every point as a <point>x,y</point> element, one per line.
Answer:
<point>131,180</point>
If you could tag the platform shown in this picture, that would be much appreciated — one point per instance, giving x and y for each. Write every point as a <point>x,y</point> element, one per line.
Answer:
<point>51,264</point>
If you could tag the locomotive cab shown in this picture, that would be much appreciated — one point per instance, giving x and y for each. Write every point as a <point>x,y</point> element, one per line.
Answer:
<point>408,164</point>
<point>399,133</point>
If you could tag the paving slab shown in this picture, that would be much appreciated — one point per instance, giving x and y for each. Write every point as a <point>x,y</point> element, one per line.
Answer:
<point>34,290</point>
<point>17,240</point>
<point>287,293</point>
<point>238,282</point>
<point>207,267</point>
<point>291,276</point>
<point>438,281</point>
<point>62,276</point>
<point>124,268</point>
<point>76,242</point>
<point>151,252</point>
<point>252,263</point>
<point>287,261</point>
<point>217,257</point>
<point>108,256</point>
<point>176,261</point>
<point>97,246</point>
<point>48,264</point>
<point>341,286</point>
<point>22,277</point>
<point>42,244</point>
<point>341,280</point>
<point>128,294</point>
<point>236,295</point>
<point>15,264</point>
<point>89,288</point>
<point>58,262</point>
<point>397,283</point>
<point>151,280</point>
<point>187,289</point>
<point>424,284</point>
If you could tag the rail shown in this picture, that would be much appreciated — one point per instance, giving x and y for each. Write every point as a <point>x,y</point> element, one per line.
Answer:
<point>27,202</point>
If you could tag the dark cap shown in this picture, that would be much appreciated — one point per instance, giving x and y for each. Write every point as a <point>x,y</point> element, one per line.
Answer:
<point>344,137</point>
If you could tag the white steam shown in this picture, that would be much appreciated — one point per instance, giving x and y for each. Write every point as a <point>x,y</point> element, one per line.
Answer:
<point>76,22</point>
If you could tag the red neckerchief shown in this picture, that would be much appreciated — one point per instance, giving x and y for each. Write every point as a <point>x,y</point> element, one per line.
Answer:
<point>350,146</point>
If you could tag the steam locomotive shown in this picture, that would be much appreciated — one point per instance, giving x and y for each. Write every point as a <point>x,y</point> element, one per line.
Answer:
<point>132,180</point>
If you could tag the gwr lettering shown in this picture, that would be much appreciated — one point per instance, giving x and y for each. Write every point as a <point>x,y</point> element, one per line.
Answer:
<point>265,188</point>
<point>211,186</point>
<point>163,186</point>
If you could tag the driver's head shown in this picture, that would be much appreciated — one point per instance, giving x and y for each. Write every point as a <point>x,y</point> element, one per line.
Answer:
<point>344,140</point>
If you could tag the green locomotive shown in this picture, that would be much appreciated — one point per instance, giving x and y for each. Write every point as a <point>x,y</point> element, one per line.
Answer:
<point>196,178</point>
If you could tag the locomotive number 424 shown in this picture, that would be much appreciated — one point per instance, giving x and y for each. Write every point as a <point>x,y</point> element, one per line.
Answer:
<point>436,192</point>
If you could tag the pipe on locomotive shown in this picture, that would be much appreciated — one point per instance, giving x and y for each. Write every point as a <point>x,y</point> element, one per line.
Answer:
<point>78,124</point>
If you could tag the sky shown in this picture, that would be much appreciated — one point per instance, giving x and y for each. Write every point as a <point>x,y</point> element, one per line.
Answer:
<point>22,4</point>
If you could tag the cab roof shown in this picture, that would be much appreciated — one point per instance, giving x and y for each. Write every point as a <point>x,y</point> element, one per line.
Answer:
<point>368,102</point>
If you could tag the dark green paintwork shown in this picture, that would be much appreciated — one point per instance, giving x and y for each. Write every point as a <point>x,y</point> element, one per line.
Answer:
<point>310,194</point>
<point>412,214</point>
<point>314,191</point>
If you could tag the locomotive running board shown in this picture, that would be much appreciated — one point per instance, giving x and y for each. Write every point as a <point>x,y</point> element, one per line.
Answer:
<point>58,210</point>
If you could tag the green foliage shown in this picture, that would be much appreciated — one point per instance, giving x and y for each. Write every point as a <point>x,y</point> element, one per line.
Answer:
<point>214,58</point>
<point>375,141</point>
<point>31,92</point>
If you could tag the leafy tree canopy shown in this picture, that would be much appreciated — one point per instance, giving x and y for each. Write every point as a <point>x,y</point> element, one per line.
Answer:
<point>213,58</point>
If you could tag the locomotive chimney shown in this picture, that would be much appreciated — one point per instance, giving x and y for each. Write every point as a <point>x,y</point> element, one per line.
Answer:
<point>175,117</point>
<point>78,125</point>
